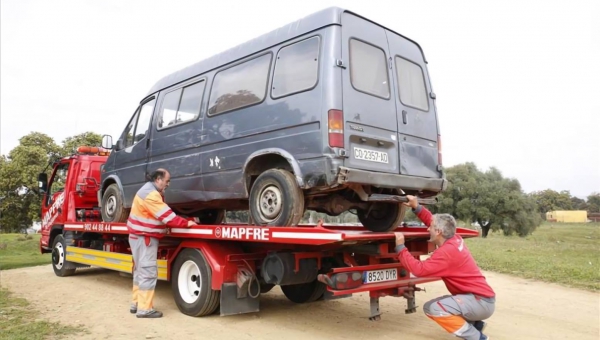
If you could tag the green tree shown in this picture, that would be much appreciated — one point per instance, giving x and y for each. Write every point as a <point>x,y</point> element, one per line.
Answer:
<point>20,204</point>
<point>593,202</point>
<point>495,202</point>
<point>70,144</point>
<point>551,200</point>
<point>578,203</point>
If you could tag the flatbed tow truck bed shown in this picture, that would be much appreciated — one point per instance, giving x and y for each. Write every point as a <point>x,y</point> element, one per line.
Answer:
<point>309,262</point>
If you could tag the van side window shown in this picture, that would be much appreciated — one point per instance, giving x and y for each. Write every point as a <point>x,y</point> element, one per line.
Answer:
<point>130,129</point>
<point>181,105</point>
<point>368,69</point>
<point>239,86</point>
<point>411,89</point>
<point>141,129</point>
<point>296,68</point>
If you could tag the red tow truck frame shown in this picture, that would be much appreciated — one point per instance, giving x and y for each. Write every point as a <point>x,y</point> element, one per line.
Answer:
<point>228,266</point>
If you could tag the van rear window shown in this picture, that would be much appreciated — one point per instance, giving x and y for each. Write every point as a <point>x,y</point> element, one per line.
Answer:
<point>368,69</point>
<point>239,86</point>
<point>296,68</point>
<point>412,90</point>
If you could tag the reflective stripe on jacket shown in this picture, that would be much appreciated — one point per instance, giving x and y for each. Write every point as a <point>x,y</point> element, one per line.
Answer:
<point>150,216</point>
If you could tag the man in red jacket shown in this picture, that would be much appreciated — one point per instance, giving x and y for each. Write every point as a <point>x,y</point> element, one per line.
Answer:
<point>472,299</point>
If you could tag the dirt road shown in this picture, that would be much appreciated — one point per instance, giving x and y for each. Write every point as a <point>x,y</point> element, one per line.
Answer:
<point>99,300</point>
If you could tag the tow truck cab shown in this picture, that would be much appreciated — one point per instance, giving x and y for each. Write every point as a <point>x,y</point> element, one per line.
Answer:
<point>71,192</point>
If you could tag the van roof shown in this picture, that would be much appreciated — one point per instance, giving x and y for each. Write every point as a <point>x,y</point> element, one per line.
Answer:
<point>326,17</point>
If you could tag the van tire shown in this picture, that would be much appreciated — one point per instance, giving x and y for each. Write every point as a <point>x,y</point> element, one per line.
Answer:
<point>304,292</point>
<point>112,201</point>
<point>382,217</point>
<point>211,216</point>
<point>281,199</point>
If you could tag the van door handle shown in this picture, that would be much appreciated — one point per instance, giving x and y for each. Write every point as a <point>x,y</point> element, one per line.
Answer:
<point>404,116</point>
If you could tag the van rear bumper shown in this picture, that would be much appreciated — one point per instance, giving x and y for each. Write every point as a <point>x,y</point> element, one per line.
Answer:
<point>347,175</point>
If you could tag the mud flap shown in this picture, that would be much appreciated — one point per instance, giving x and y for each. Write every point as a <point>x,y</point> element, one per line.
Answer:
<point>231,304</point>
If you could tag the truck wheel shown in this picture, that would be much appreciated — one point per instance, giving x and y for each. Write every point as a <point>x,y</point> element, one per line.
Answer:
<point>61,266</point>
<point>191,284</point>
<point>276,199</point>
<point>112,205</point>
<point>382,217</point>
<point>304,292</point>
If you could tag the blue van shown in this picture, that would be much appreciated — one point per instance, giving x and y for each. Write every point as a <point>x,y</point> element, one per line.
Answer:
<point>331,113</point>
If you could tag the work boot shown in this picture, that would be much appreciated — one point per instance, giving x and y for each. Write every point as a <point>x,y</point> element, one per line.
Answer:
<point>132,310</point>
<point>151,315</point>
<point>484,337</point>
<point>479,325</point>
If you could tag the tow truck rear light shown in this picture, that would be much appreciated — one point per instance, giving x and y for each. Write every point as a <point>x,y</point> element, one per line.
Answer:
<point>342,281</point>
<point>336,128</point>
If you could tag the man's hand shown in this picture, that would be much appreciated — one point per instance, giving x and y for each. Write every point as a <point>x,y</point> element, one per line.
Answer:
<point>399,238</point>
<point>412,202</point>
<point>191,224</point>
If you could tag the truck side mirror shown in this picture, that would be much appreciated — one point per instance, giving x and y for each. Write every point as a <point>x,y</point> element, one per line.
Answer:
<point>43,183</point>
<point>107,142</point>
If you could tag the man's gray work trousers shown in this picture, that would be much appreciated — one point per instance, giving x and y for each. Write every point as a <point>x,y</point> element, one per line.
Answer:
<point>145,272</point>
<point>455,313</point>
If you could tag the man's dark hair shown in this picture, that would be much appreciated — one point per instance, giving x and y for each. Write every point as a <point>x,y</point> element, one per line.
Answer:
<point>158,174</point>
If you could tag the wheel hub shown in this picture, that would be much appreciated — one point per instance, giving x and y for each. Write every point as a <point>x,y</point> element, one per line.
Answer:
<point>189,282</point>
<point>111,205</point>
<point>58,256</point>
<point>269,202</point>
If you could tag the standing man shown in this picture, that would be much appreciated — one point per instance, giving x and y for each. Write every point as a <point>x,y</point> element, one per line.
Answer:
<point>147,223</point>
<point>472,299</point>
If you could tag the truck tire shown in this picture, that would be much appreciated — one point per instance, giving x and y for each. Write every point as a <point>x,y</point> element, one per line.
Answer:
<point>382,217</point>
<point>112,205</point>
<point>61,266</point>
<point>304,292</point>
<point>191,284</point>
<point>276,199</point>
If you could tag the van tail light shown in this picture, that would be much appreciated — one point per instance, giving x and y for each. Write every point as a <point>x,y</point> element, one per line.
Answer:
<point>336,128</point>
<point>439,145</point>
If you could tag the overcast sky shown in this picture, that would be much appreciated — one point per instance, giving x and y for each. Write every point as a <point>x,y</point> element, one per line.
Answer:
<point>517,82</point>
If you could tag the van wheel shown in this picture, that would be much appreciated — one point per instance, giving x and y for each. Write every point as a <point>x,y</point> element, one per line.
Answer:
<point>59,253</point>
<point>304,292</point>
<point>211,216</point>
<point>191,284</point>
<point>382,216</point>
<point>276,199</point>
<point>112,205</point>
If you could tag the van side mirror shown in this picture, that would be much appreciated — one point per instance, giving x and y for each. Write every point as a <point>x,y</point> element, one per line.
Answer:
<point>107,142</point>
<point>43,183</point>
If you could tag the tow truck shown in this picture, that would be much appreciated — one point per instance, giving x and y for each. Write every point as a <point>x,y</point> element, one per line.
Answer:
<point>226,267</point>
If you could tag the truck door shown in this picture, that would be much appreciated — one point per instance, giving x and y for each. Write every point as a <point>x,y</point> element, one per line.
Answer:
<point>53,205</point>
<point>369,108</point>
<point>415,110</point>
<point>132,155</point>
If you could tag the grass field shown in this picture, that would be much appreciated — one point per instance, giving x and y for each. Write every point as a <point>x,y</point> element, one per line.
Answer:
<point>19,250</point>
<point>562,253</point>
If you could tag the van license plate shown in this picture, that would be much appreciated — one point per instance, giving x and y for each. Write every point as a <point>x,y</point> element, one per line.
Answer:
<point>370,155</point>
<point>383,275</point>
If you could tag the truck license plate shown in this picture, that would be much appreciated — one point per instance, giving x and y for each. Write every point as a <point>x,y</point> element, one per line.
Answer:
<point>383,275</point>
<point>371,155</point>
